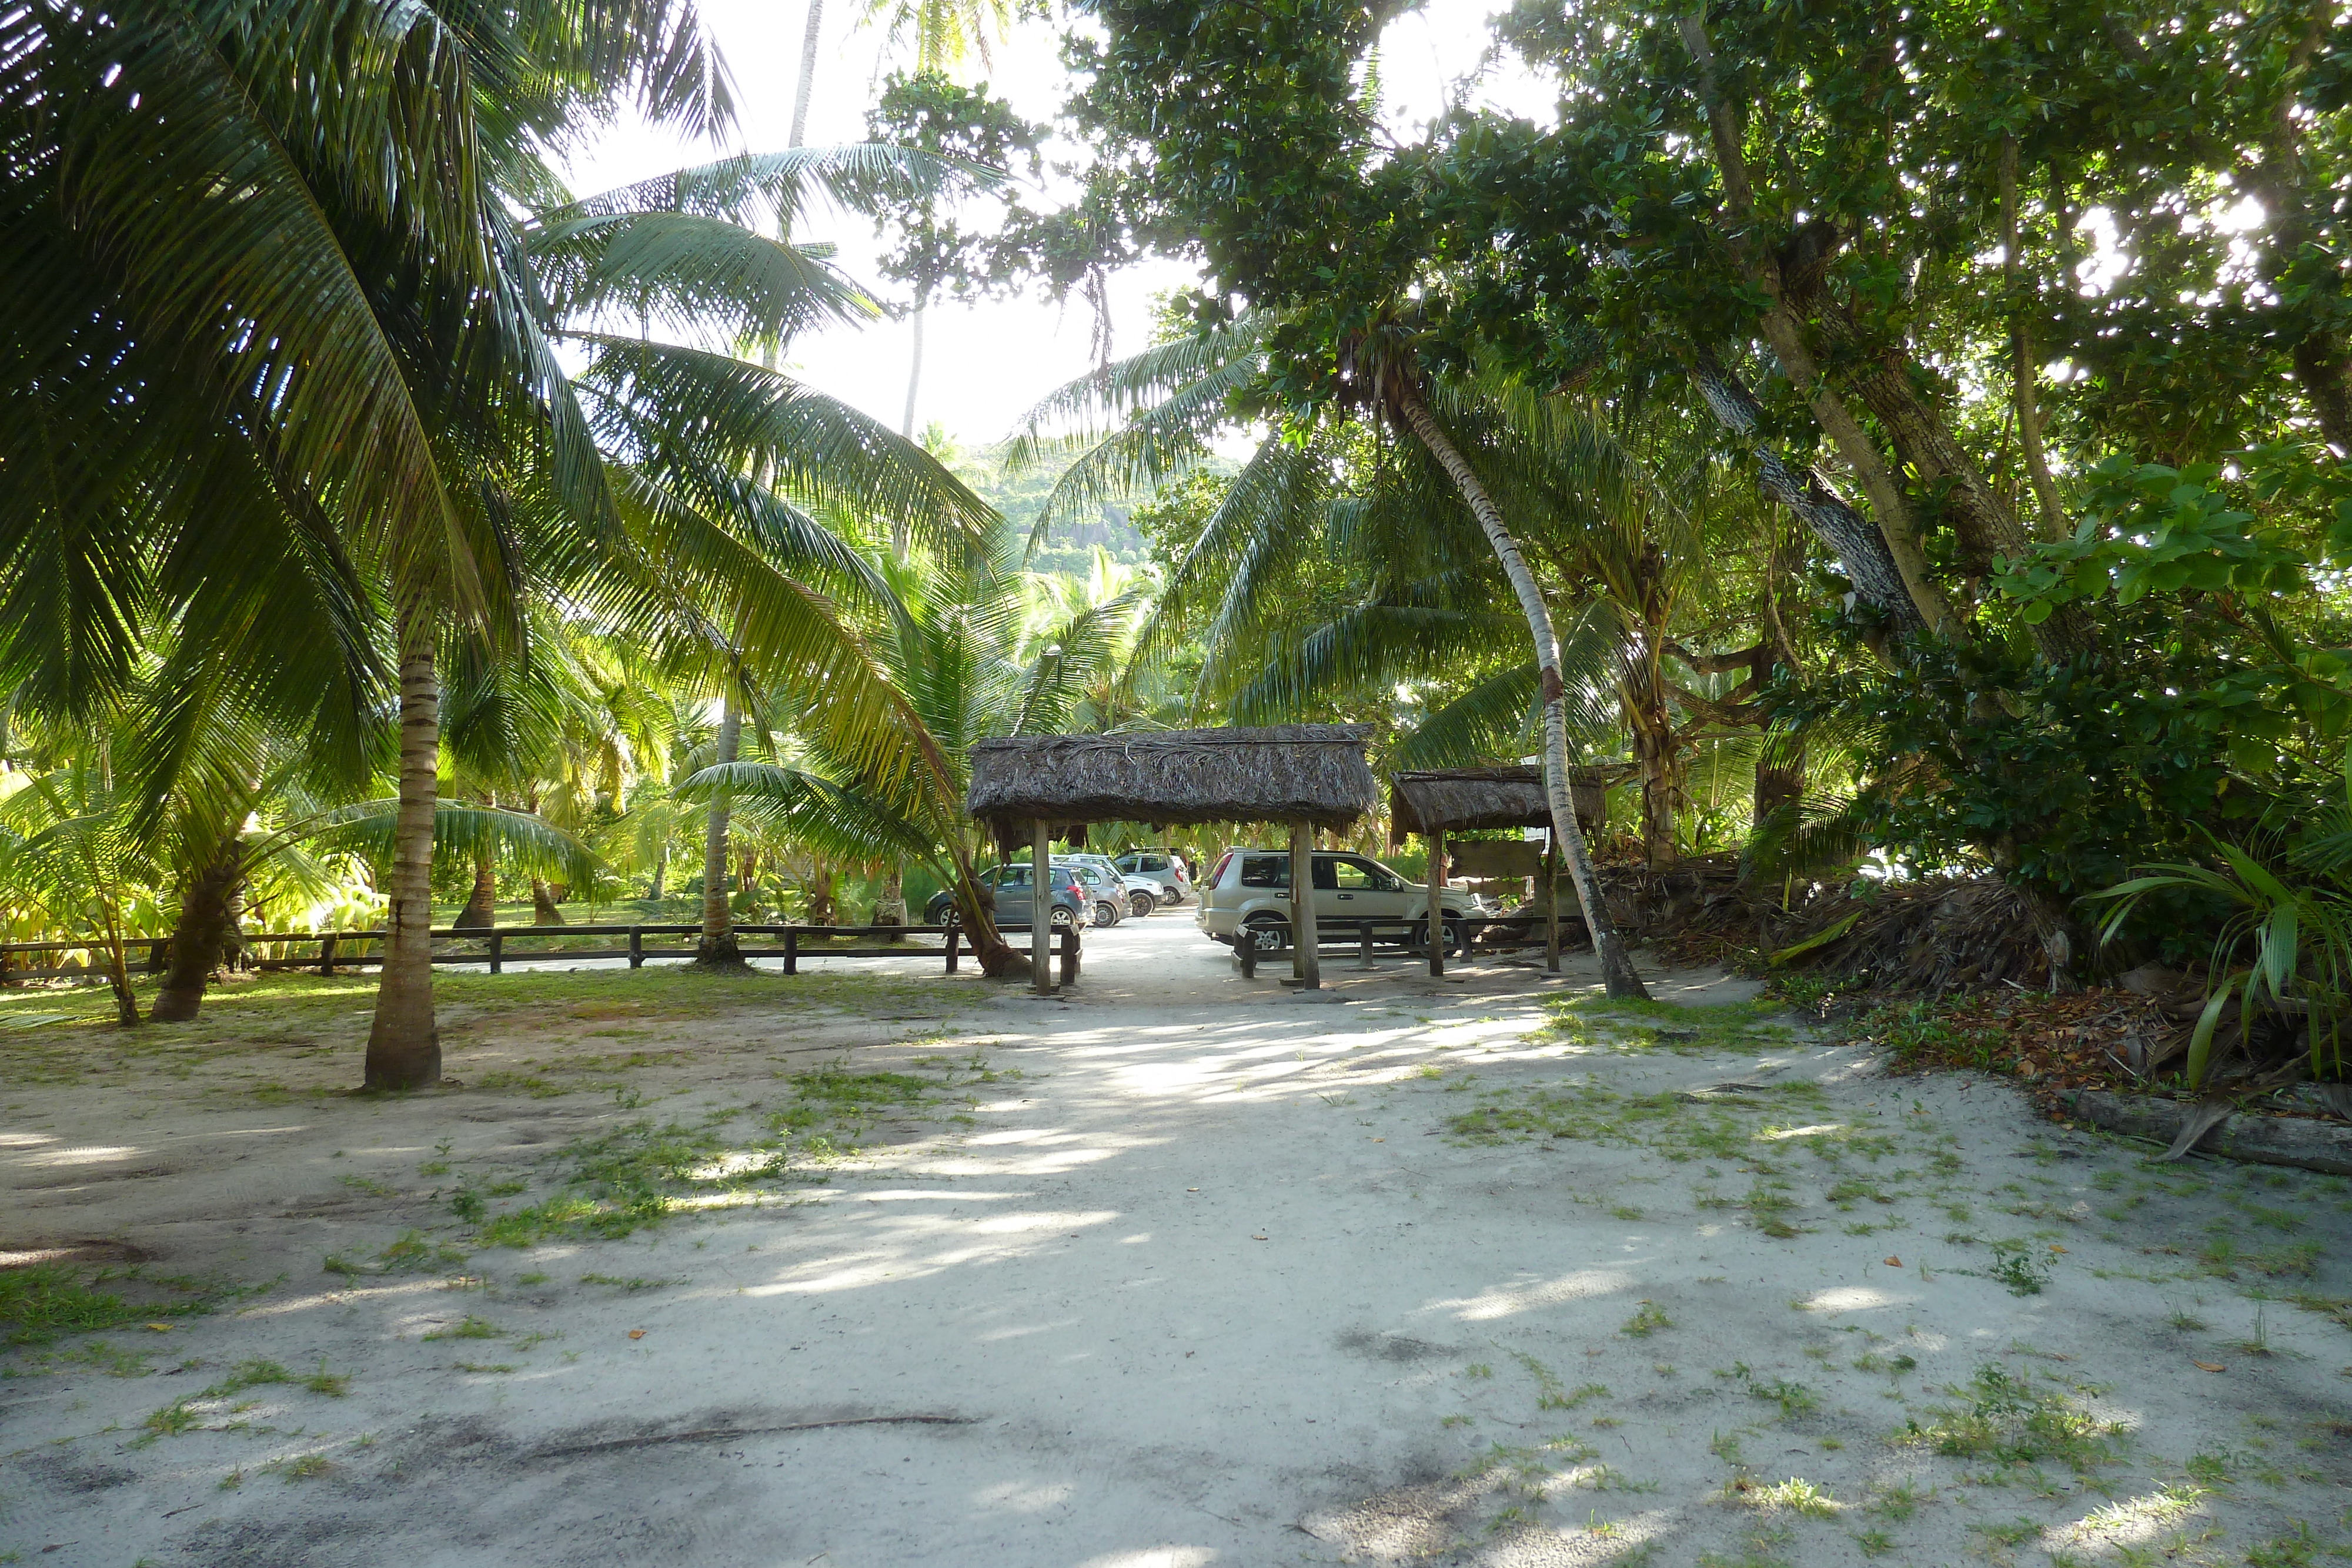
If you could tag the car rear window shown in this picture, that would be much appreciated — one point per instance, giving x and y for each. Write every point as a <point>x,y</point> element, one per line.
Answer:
<point>1266,871</point>
<point>1154,862</point>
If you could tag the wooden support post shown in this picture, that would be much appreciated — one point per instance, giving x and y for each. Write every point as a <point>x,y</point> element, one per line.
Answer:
<point>327,955</point>
<point>955,934</point>
<point>498,950</point>
<point>636,947</point>
<point>1436,905</point>
<point>1041,907</point>
<point>792,949</point>
<point>1306,957</point>
<point>1070,946</point>
<point>1246,950</point>
<point>1363,944</point>
<point>1551,907</point>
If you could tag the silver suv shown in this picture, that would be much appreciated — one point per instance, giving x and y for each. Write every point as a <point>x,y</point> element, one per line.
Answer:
<point>1135,896</point>
<point>1162,870</point>
<point>1248,891</point>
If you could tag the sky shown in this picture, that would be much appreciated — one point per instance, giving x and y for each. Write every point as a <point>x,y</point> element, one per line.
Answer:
<point>985,363</point>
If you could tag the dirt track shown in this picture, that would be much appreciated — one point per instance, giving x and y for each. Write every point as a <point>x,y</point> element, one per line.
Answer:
<point>1182,1271</point>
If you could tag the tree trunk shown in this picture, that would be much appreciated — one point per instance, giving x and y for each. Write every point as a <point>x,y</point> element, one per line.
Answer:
<point>1860,547</point>
<point>807,84</point>
<point>661,869</point>
<point>820,903</point>
<point>543,910</point>
<point>198,935</point>
<point>1616,966</point>
<point>890,906</point>
<point>717,948</point>
<point>2282,182</point>
<point>898,535</point>
<point>482,911</point>
<point>2024,373</point>
<point>404,1049</point>
<point>1896,525</point>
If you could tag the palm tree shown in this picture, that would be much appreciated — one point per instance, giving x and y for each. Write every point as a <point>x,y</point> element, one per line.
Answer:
<point>268,260</point>
<point>1260,522</point>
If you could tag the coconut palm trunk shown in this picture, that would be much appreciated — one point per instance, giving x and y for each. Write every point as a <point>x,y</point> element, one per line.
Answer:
<point>718,949</point>
<point>1616,965</point>
<point>404,1047</point>
<point>206,911</point>
<point>482,911</point>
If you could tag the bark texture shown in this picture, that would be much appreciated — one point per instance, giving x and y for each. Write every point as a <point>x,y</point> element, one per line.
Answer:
<point>199,934</point>
<point>717,947</point>
<point>1616,965</point>
<point>544,909</point>
<point>1785,334</point>
<point>404,1049</point>
<point>1860,548</point>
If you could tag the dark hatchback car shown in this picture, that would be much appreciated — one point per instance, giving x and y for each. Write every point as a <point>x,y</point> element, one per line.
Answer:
<point>1012,886</point>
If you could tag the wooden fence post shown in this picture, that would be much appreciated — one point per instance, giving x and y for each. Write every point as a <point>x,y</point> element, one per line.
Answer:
<point>327,955</point>
<point>1363,944</point>
<point>792,949</point>
<point>497,952</point>
<point>955,934</point>
<point>1246,948</point>
<point>636,947</point>
<point>1070,949</point>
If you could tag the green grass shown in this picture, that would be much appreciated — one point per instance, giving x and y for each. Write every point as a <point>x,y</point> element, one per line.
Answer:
<point>1597,1022</point>
<point>2005,1418</point>
<point>613,1183</point>
<point>41,1303</point>
<point>69,1035</point>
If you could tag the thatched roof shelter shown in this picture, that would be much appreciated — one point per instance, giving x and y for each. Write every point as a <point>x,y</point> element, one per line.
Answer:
<point>1290,772</point>
<point>1472,800</point>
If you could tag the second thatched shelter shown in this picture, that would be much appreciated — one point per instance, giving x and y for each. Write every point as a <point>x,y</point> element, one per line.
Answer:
<point>1475,800</point>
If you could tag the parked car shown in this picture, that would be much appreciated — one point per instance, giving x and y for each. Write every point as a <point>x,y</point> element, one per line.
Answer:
<point>1164,871</point>
<point>1138,895</point>
<point>1011,885</point>
<point>1104,886</point>
<point>1246,897</point>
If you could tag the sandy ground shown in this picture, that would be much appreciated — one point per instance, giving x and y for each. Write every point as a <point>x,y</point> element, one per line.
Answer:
<point>1184,1270</point>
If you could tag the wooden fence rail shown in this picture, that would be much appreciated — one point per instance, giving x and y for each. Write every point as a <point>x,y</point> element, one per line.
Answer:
<point>355,950</point>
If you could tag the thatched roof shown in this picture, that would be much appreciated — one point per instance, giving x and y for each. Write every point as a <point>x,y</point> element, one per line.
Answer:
<point>1165,778</point>
<point>1470,800</point>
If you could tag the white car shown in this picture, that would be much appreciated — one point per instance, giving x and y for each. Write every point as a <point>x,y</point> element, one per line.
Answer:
<point>1248,891</point>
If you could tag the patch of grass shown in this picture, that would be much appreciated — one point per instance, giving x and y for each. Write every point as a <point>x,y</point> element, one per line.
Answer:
<point>1875,1543</point>
<point>2018,1268</point>
<point>41,1303</point>
<point>1647,1319</point>
<point>466,1327</point>
<point>1896,1502</point>
<point>300,1467</point>
<point>1794,1496</point>
<point>1945,1034</point>
<point>1599,1022</point>
<point>1793,1398</point>
<point>629,1283</point>
<point>2003,1418</point>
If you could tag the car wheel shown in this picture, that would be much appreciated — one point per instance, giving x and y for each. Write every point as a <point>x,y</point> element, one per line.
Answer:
<point>1106,913</point>
<point>1420,942</point>
<point>1140,904</point>
<point>1269,932</point>
<point>1061,919</point>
